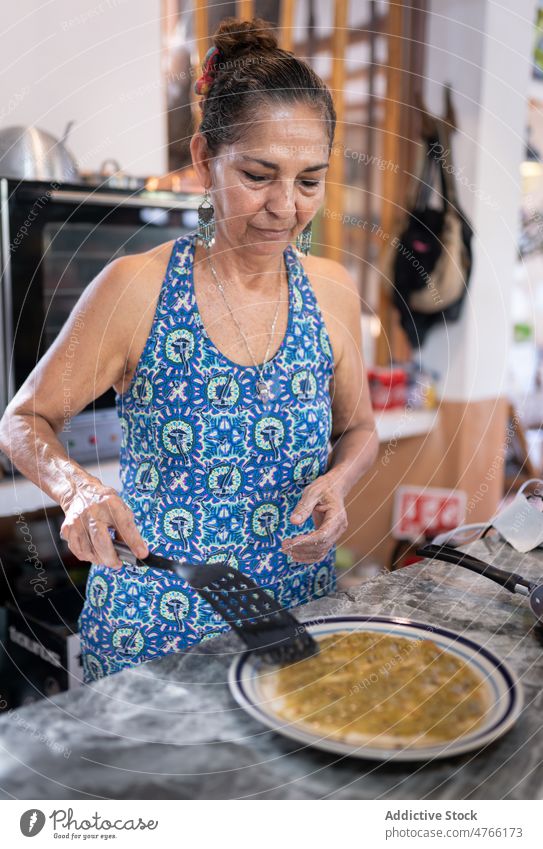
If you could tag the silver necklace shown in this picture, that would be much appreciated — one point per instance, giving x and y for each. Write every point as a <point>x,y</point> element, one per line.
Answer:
<point>263,387</point>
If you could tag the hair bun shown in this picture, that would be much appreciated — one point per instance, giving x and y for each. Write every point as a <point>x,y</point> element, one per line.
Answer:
<point>235,37</point>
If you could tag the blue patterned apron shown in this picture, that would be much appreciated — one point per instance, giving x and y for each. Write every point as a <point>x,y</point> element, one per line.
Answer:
<point>211,472</point>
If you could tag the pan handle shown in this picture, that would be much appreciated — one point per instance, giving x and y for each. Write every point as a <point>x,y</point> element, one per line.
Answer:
<point>510,580</point>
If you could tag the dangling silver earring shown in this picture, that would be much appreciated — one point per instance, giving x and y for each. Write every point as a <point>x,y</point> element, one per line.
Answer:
<point>206,222</point>
<point>303,240</point>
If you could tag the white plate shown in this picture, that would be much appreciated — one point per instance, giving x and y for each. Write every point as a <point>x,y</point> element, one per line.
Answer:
<point>247,677</point>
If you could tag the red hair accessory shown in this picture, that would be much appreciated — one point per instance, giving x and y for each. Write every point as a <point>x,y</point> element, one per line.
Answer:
<point>205,81</point>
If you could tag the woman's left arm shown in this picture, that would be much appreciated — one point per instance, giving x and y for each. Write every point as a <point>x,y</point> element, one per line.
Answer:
<point>354,438</point>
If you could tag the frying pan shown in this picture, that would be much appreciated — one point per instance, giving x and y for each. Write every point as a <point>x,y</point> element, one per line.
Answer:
<point>510,580</point>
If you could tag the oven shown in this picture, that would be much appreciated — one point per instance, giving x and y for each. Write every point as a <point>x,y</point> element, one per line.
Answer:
<point>54,239</point>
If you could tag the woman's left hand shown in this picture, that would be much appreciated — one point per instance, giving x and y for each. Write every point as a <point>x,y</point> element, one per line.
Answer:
<point>323,499</point>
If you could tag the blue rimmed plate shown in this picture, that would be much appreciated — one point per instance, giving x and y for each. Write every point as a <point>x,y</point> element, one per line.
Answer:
<point>251,684</point>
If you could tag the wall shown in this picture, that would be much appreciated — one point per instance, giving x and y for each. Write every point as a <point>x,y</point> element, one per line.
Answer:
<point>94,61</point>
<point>484,51</point>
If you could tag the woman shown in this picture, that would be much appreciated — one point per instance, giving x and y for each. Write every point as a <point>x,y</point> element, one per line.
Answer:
<point>234,362</point>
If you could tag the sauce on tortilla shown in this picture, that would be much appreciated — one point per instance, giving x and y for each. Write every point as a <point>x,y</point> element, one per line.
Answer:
<point>383,689</point>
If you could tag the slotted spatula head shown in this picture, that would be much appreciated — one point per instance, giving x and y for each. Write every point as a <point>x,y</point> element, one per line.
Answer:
<point>265,627</point>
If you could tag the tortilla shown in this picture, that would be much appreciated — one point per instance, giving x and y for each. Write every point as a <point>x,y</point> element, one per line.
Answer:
<point>378,689</point>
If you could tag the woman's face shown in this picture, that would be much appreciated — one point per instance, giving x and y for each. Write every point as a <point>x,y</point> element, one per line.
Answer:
<point>268,186</point>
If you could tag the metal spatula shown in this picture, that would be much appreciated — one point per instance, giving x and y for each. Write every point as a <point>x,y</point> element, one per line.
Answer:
<point>265,627</point>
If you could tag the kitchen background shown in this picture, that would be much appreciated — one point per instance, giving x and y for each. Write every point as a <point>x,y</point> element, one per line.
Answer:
<point>95,119</point>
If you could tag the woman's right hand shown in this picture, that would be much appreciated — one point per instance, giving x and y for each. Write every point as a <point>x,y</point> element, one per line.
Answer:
<point>90,511</point>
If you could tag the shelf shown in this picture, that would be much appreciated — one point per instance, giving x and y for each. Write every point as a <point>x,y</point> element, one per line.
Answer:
<point>18,495</point>
<point>403,423</point>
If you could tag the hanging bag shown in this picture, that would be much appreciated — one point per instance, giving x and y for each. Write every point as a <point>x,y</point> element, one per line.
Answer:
<point>433,258</point>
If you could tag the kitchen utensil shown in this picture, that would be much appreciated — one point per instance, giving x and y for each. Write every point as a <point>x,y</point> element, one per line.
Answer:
<point>250,688</point>
<point>112,175</point>
<point>265,627</point>
<point>28,153</point>
<point>510,580</point>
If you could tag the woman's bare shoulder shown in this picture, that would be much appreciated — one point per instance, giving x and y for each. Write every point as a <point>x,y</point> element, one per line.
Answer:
<point>337,295</point>
<point>331,278</point>
<point>135,280</point>
<point>134,283</point>
<point>147,264</point>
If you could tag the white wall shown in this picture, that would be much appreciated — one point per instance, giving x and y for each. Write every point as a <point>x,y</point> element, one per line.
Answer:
<point>94,61</point>
<point>484,50</point>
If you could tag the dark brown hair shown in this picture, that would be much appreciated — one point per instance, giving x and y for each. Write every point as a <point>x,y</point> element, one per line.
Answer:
<point>252,72</point>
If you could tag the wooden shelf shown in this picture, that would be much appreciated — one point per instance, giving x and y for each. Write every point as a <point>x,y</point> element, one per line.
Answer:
<point>401,424</point>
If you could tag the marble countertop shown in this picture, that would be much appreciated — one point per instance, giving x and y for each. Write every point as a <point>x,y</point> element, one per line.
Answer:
<point>169,729</point>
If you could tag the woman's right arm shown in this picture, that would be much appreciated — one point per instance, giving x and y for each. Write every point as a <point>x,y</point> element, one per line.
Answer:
<point>91,353</point>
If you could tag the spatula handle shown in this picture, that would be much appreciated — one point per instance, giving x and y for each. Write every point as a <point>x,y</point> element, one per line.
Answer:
<point>156,561</point>
<point>126,554</point>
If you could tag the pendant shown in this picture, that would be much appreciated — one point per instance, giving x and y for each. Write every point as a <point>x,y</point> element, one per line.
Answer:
<point>263,390</point>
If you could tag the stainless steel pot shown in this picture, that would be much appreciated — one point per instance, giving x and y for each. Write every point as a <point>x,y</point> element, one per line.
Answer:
<point>28,153</point>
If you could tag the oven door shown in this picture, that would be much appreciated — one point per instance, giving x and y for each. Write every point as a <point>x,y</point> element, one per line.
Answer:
<point>54,240</point>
